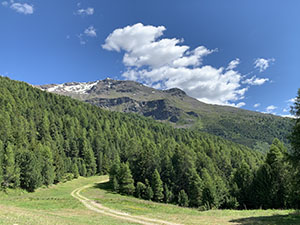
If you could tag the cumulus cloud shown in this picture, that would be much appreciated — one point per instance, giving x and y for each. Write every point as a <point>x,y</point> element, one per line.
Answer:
<point>256,105</point>
<point>262,64</point>
<point>167,63</point>
<point>233,64</point>
<point>240,104</point>
<point>90,31</point>
<point>255,81</point>
<point>270,109</point>
<point>85,12</point>
<point>22,8</point>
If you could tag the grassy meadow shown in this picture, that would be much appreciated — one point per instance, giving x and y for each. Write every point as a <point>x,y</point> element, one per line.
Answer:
<point>55,205</point>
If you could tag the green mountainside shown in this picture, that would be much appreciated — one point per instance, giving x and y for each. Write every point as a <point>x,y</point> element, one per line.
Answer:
<point>47,138</point>
<point>253,129</point>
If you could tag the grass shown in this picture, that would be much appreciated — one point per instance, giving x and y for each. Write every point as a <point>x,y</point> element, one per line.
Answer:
<point>172,213</point>
<point>55,205</point>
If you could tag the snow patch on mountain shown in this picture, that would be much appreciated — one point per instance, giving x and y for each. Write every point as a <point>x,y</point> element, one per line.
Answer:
<point>74,87</point>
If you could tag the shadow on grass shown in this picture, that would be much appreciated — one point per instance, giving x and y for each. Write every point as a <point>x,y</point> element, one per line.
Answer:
<point>290,219</point>
<point>105,186</point>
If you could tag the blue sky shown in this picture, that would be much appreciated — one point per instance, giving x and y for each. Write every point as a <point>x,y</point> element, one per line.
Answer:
<point>240,53</point>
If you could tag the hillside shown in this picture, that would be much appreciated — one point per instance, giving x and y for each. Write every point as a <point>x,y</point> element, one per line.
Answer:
<point>47,138</point>
<point>253,129</point>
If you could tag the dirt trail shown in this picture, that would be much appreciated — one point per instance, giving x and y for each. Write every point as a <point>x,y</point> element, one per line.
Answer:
<point>97,207</point>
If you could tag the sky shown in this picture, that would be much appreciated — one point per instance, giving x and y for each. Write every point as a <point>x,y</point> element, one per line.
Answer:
<point>240,53</point>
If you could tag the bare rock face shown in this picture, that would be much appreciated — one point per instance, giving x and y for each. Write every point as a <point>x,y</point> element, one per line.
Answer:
<point>124,96</point>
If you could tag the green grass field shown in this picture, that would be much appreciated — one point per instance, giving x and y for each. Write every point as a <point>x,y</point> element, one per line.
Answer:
<point>55,205</point>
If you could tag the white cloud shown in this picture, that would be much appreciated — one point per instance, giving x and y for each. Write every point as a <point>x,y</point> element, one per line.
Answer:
<point>22,8</point>
<point>270,109</point>
<point>256,105</point>
<point>233,64</point>
<point>262,64</point>
<point>167,63</point>
<point>288,116</point>
<point>292,100</point>
<point>90,31</point>
<point>255,81</point>
<point>85,12</point>
<point>241,104</point>
<point>4,3</point>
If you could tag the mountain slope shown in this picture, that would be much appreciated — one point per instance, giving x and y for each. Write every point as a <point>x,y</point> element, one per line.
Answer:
<point>47,138</point>
<point>254,129</point>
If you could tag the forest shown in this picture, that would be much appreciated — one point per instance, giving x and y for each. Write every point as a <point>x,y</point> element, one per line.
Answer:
<point>46,139</point>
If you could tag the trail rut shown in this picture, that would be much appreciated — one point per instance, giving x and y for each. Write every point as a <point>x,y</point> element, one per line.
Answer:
<point>99,208</point>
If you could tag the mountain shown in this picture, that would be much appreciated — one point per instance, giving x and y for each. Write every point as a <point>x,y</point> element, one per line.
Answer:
<point>253,129</point>
<point>47,138</point>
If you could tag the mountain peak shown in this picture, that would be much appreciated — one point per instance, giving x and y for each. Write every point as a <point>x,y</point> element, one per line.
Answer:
<point>175,92</point>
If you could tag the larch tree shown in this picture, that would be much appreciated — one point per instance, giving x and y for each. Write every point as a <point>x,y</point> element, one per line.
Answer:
<point>157,187</point>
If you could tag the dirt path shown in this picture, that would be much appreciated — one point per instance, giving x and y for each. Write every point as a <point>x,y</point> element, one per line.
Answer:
<point>97,207</point>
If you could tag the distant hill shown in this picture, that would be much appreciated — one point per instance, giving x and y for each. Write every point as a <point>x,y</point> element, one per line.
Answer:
<point>253,129</point>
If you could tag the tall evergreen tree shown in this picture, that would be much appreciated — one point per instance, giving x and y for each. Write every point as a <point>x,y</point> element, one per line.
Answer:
<point>149,191</point>
<point>30,177</point>
<point>10,169</point>
<point>157,187</point>
<point>89,158</point>
<point>125,180</point>
<point>183,199</point>
<point>114,173</point>
<point>47,170</point>
<point>1,160</point>
<point>295,136</point>
<point>140,190</point>
<point>209,195</point>
<point>272,183</point>
<point>242,178</point>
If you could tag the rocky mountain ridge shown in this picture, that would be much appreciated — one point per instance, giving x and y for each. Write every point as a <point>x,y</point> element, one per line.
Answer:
<point>250,128</point>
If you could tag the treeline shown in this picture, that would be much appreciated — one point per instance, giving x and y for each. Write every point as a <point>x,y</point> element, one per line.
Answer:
<point>46,139</point>
<point>274,184</point>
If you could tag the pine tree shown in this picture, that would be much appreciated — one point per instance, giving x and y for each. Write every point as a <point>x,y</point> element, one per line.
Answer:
<point>140,190</point>
<point>125,180</point>
<point>47,170</point>
<point>114,175</point>
<point>209,190</point>
<point>1,160</point>
<point>30,169</point>
<point>242,177</point>
<point>295,136</point>
<point>157,187</point>
<point>75,170</point>
<point>89,158</point>
<point>10,169</point>
<point>168,195</point>
<point>183,199</point>
<point>149,191</point>
<point>272,184</point>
